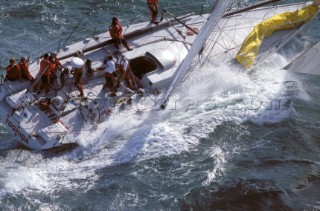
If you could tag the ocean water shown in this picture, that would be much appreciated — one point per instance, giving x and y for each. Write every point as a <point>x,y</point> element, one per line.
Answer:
<point>250,142</point>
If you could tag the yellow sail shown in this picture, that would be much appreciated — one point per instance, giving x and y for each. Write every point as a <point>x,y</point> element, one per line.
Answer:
<point>287,20</point>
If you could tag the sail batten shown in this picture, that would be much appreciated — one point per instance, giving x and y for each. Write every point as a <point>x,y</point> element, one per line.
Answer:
<point>197,45</point>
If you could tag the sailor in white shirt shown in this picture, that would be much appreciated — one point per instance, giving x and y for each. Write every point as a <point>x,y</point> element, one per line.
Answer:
<point>109,71</point>
<point>124,72</point>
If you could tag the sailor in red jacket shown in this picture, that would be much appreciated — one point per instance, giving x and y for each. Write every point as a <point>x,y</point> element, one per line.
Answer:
<point>153,7</point>
<point>25,73</point>
<point>115,30</point>
<point>59,75</point>
<point>13,71</point>
<point>45,70</point>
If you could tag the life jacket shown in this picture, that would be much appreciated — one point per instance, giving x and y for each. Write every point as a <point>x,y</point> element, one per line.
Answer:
<point>152,1</point>
<point>45,67</point>
<point>23,67</point>
<point>13,72</point>
<point>58,63</point>
<point>25,71</point>
<point>53,68</point>
<point>115,31</point>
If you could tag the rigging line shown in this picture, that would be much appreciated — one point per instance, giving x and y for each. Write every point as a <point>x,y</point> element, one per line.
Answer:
<point>227,34</point>
<point>207,54</point>
<point>73,31</point>
<point>185,6</point>
<point>46,46</point>
<point>128,25</point>
<point>206,30</point>
<point>260,4</point>
<point>202,8</point>
<point>192,70</point>
<point>184,24</point>
<point>218,34</point>
<point>177,30</point>
<point>59,46</point>
<point>36,81</point>
<point>68,99</point>
<point>148,95</point>
<point>224,52</point>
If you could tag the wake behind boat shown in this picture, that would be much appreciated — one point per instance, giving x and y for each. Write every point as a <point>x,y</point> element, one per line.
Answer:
<point>162,56</point>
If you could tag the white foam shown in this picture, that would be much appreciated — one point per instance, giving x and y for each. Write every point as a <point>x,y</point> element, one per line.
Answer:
<point>164,139</point>
<point>220,160</point>
<point>19,177</point>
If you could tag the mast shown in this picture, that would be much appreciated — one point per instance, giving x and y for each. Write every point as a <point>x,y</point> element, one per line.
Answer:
<point>216,14</point>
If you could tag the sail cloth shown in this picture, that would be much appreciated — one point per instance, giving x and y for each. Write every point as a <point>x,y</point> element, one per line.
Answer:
<point>288,20</point>
<point>217,13</point>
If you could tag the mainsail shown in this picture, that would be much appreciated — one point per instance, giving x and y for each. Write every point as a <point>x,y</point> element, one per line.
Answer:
<point>216,15</point>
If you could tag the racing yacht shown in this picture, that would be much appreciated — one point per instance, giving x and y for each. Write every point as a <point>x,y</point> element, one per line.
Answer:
<point>162,56</point>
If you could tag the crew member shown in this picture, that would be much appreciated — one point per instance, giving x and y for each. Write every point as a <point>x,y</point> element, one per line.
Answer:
<point>59,69</point>
<point>124,72</point>
<point>53,67</point>
<point>25,73</point>
<point>77,74</point>
<point>109,72</point>
<point>153,7</point>
<point>13,71</point>
<point>45,70</point>
<point>56,61</point>
<point>88,67</point>
<point>115,30</point>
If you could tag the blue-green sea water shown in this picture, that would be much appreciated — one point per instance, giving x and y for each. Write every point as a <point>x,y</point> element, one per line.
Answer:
<point>254,147</point>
